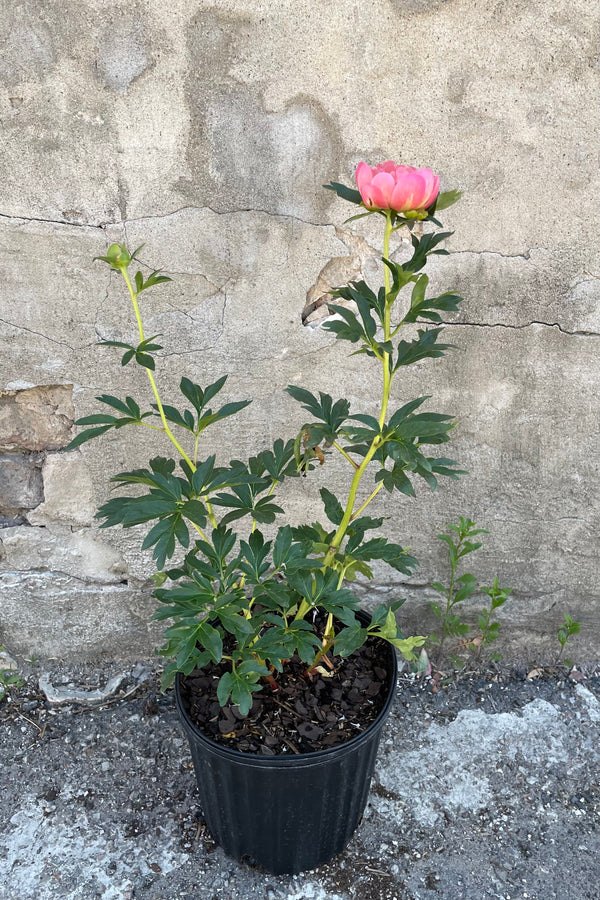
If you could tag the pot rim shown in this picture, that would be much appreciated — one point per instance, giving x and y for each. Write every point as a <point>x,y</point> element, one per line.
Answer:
<point>294,759</point>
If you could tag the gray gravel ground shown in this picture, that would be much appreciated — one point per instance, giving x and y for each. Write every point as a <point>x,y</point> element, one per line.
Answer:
<point>489,788</point>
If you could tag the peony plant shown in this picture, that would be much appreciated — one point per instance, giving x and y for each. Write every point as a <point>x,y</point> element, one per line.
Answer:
<point>254,602</point>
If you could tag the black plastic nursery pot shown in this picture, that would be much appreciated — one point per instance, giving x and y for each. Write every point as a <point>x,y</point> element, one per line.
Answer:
<point>286,813</point>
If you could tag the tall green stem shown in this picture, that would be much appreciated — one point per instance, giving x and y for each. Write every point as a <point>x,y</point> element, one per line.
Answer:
<point>376,443</point>
<point>347,518</point>
<point>161,411</point>
<point>387,319</point>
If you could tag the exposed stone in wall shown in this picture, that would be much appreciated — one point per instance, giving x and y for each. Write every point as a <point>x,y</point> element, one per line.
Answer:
<point>68,491</point>
<point>32,420</point>
<point>48,569</point>
<point>56,548</point>
<point>21,486</point>
<point>54,615</point>
<point>37,418</point>
<point>358,265</point>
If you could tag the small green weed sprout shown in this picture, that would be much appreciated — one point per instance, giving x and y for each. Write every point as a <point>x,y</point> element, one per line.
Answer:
<point>566,631</point>
<point>9,679</point>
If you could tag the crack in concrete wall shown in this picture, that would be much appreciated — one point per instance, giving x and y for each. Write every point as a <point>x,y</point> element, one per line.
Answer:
<point>526,255</point>
<point>450,324</point>
<point>168,215</point>
<point>66,222</point>
<point>39,334</point>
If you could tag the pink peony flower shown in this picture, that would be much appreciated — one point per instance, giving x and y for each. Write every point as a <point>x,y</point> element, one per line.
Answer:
<point>401,188</point>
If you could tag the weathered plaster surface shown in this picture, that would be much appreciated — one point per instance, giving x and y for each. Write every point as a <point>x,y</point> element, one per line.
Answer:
<point>205,131</point>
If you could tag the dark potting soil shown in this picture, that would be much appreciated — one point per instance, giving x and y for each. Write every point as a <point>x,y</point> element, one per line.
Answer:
<point>304,714</point>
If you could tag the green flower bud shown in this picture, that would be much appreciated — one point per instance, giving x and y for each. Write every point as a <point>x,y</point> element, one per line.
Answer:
<point>118,256</point>
<point>416,214</point>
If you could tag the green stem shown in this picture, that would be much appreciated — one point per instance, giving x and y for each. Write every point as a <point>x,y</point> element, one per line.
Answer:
<point>343,452</point>
<point>387,378</point>
<point>377,441</point>
<point>209,510</point>
<point>211,516</point>
<point>154,427</point>
<point>199,530</point>
<point>328,642</point>
<point>165,428</point>
<point>161,411</point>
<point>453,567</point>
<point>302,610</point>
<point>367,501</point>
<point>347,518</point>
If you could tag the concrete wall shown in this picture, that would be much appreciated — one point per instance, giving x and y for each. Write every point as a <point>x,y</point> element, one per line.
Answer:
<point>206,129</point>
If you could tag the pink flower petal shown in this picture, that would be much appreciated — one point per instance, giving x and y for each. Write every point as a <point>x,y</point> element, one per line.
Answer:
<point>432,186</point>
<point>427,176</point>
<point>364,175</point>
<point>388,166</point>
<point>434,191</point>
<point>381,190</point>
<point>408,193</point>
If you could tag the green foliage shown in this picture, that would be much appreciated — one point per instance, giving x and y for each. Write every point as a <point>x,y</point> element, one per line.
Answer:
<point>142,353</point>
<point>346,193</point>
<point>565,632</point>
<point>176,501</point>
<point>373,308</point>
<point>153,278</point>
<point>422,307</point>
<point>459,542</point>
<point>249,602</point>
<point>245,502</point>
<point>240,684</point>
<point>446,199</point>
<point>331,415</point>
<point>488,628</point>
<point>199,397</point>
<point>132,415</point>
<point>9,679</point>
<point>422,347</point>
<point>424,247</point>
